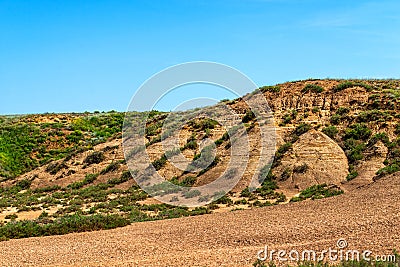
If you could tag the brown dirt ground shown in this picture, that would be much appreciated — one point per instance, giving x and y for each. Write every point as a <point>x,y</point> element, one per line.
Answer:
<point>368,218</point>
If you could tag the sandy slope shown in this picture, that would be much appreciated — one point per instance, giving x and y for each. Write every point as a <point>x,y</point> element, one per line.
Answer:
<point>368,218</point>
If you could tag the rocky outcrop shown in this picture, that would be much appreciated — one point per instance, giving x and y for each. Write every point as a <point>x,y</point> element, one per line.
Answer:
<point>315,159</point>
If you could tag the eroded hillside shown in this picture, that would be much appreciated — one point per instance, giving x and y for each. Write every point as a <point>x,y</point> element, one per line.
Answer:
<point>333,136</point>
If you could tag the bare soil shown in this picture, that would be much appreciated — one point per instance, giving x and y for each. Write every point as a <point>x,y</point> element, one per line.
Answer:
<point>368,218</point>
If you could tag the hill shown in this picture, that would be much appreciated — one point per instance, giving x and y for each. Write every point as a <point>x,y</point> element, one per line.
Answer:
<point>67,172</point>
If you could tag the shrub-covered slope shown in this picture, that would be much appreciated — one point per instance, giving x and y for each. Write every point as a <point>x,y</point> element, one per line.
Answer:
<point>333,136</point>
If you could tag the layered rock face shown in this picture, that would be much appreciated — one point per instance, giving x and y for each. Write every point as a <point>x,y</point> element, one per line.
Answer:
<point>314,159</point>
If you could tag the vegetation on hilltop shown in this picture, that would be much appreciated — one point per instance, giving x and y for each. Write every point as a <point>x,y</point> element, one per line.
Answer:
<point>27,142</point>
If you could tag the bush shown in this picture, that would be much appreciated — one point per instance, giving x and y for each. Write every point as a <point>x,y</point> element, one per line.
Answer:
<point>302,129</point>
<point>286,174</point>
<point>191,145</point>
<point>203,161</point>
<point>192,194</point>
<point>153,129</point>
<point>267,189</point>
<point>373,115</point>
<point>125,176</point>
<point>318,191</point>
<point>301,168</point>
<point>342,111</point>
<point>336,119</point>
<point>159,163</point>
<point>330,131</point>
<point>245,192</point>
<point>63,225</point>
<point>94,158</point>
<point>89,178</point>
<point>358,131</point>
<point>112,167</point>
<point>51,188</point>
<point>266,174</point>
<point>203,124</point>
<point>224,199</point>
<point>287,118</point>
<point>188,181</point>
<point>348,84</point>
<point>54,167</point>
<point>379,137</point>
<point>75,136</point>
<point>11,216</point>
<point>388,170</point>
<point>353,174</point>
<point>24,184</point>
<point>272,89</point>
<point>354,150</point>
<point>282,150</point>
<point>249,116</point>
<point>312,88</point>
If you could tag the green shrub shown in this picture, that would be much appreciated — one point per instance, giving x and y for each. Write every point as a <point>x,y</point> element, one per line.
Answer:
<point>94,158</point>
<point>24,184</point>
<point>282,150</point>
<point>192,194</point>
<point>342,111</point>
<point>348,84</point>
<point>112,167</point>
<point>188,181</point>
<point>388,170</point>
<point>358,131</point>
<point>191,145</point>
<point>89,178</point>
<point>379,137</point>
<point>11,216</point>
<point>287,118</point>
<point>312,88</point>
<point>125,176</point>
<point>75,136</point>
<point>336,119</point>
<point>224,199</point>
<point>353,174</point>
<point>317,191</point>
<point>272,89</point>
<point>266,174</point>
<point>61,226</point>
<point>249,116</point>
<point>203,124</point>
<point>267,189</point>
<point>340,115</point>
<point>159,163</point>
<point>302,129</point>
<point>245,192</point>
<point>203,161</point>
<point>354,150</point>
<point>314,110</point>
<point>300,168</point>
<point>54,167</point>
<point>373,115</point>
<point>153,128</point>
<point>154,140</point>
<point>330,131</point>
<point>286,174</point>
<point>46,189</point>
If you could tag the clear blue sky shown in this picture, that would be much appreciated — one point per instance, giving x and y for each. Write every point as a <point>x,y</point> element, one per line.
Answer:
<point>64,56</point>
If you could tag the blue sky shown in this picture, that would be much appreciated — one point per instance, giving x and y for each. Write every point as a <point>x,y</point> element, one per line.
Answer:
<point>64,56</point>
